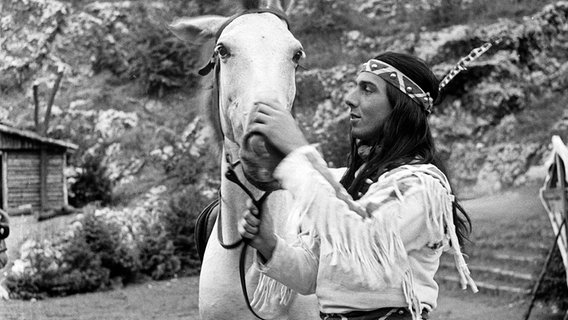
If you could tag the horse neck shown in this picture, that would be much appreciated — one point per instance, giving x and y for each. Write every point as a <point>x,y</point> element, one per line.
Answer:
<point>233,200</point>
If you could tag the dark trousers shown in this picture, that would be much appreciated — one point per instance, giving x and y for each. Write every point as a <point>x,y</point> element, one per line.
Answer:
<point>379,314</point>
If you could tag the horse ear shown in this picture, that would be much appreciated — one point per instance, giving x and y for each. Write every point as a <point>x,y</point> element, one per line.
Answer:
<point>197,30</point>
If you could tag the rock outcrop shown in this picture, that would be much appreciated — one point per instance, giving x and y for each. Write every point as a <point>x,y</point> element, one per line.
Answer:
<point>493,125</point>
<point>479,124</point>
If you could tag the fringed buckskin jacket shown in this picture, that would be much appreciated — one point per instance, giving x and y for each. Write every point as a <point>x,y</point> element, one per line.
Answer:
<point>354,263</point>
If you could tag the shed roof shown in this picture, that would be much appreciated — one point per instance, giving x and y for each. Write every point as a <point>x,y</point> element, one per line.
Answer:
<point>34,136</point>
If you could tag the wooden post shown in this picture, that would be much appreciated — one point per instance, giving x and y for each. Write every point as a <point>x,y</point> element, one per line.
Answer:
<point>5,180</point>
<point>36,108</point>
<point>43,178</point>
<point>543,271</point>
<point>65,200</point>
<point>50,101</point>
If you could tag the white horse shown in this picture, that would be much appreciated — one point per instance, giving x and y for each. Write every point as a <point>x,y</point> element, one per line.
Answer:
<point>257,57</point>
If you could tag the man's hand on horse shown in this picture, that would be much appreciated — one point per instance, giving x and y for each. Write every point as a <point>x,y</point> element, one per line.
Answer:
<point>259,231</point>
<point>278,126</point>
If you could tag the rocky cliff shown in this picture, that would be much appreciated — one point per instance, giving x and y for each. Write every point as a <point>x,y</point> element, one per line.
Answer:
<point>493,126</point>
<point>497,117</point>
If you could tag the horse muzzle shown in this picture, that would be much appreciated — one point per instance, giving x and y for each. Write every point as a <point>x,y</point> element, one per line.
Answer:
<point>259,159</point>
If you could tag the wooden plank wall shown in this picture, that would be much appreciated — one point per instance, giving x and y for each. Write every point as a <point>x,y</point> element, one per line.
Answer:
<point>23,179</point>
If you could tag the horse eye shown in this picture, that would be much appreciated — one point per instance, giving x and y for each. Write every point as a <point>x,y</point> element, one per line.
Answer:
<point>298,55</point>
<point>222,51</point>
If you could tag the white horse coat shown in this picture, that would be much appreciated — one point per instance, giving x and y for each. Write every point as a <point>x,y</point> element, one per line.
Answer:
<point>258,57</point>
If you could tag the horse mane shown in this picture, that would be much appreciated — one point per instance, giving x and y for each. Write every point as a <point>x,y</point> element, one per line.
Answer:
<point>205,100</point>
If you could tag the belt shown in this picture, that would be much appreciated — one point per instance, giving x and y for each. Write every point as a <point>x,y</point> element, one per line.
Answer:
<point>379,314</point>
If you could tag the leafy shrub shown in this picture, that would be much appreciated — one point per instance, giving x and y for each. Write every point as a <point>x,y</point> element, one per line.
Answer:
<point>106,246</point>
<point>92,184</point>
<point>84,260</point>
<point>180,223</point>
<point>157,255</point>
<point>146,51</point>
<point>161,61</point>
<point>103,238</point>
<point>325,16</point>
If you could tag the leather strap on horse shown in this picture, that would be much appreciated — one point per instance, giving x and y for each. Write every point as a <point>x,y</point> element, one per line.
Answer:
<point>4,225</point>
<point>232,176</point>
<point>204,227</point>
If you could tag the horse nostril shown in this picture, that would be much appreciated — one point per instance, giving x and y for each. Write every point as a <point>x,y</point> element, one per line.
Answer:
<point>257,144</point>
<point>259,159</point>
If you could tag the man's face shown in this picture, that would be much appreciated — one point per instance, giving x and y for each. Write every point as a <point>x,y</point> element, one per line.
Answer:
<point>369,106</point>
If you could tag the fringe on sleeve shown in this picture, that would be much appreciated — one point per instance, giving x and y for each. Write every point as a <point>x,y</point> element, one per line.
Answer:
<point>442,202</point>
<point>271,297</point>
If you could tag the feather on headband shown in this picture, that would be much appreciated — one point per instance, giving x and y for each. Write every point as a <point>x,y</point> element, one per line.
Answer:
<point>465,61</point>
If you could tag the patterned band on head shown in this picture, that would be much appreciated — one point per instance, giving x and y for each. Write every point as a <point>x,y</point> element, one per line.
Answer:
<point>403,83</point>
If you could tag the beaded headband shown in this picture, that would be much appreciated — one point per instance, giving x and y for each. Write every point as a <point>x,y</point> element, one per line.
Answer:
<point>403,83</point>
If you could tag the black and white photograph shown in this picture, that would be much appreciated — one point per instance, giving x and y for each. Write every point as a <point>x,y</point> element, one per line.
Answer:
<point>283,159</point>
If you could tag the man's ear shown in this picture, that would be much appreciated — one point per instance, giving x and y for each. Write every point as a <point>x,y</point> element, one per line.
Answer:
<point>197,30</point>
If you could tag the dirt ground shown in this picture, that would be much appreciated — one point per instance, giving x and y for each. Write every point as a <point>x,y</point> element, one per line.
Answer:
<point>177,298</point>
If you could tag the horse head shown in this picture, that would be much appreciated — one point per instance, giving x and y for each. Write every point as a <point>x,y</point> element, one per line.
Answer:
<point>254,58</point>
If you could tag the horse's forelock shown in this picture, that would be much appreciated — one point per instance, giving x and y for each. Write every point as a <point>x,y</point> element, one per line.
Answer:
<point>250,4</point>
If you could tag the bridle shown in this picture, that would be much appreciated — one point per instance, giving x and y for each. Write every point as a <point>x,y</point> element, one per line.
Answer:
<point>231,174</point>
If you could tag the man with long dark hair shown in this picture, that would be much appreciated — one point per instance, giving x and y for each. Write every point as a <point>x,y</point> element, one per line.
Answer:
<point>370,246</point>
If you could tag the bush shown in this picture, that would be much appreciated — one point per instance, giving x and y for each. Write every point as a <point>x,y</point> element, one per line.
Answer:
<point>180,223</point>
<point>325,16</point>
<point>147,51</point>
<point>103,238</point>
<point>108,246</point>
<point>84,260</point>
<point>92,184</point>
<point>157,255</point>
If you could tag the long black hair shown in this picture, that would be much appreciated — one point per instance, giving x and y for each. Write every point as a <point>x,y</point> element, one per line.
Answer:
<point>405,136</point>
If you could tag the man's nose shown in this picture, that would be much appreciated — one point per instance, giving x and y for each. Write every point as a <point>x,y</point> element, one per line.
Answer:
<point>350,100</point>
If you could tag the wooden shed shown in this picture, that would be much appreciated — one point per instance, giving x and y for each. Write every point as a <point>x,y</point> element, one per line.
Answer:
<point>32,170</point>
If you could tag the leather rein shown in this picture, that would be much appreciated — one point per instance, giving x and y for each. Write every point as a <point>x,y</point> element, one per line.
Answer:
<point>231,174</point>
